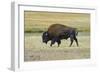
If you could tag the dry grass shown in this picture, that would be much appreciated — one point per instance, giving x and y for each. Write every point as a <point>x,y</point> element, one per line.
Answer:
<point>36,50</point>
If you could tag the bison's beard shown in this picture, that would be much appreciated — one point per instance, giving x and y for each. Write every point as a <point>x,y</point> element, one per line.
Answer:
<point>45,42</point>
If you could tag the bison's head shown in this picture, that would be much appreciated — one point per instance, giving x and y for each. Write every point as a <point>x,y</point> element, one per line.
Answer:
<point>45,37</point>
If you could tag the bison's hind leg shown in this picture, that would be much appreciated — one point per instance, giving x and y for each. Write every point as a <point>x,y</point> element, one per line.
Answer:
<point>71,39</point>
<point>76,41</point>
<point>59,42</point>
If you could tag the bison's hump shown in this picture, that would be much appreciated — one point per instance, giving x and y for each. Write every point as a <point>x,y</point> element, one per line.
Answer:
<point>57,29</point>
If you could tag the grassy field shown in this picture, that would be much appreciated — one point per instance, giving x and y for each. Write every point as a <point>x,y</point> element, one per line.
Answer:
<point>35,50</point>
<point>38,22</point>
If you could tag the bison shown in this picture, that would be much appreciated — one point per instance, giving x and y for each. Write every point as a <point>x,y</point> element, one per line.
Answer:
<point>57,32</point>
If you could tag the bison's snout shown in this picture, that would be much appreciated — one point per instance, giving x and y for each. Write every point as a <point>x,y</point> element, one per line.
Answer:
<point>44,41</point>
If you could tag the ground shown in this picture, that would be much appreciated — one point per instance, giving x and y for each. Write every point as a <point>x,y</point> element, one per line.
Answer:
<point>36,50</point>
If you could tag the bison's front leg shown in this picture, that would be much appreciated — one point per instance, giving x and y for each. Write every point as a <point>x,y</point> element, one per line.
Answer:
<point>56,39</point>
<point>52,41</point>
